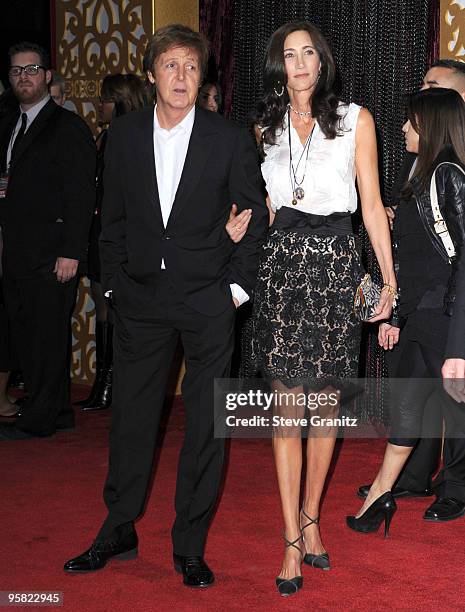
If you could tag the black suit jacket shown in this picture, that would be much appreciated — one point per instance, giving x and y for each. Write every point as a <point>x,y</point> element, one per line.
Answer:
<point>221,167</point>
<point>51,191</point>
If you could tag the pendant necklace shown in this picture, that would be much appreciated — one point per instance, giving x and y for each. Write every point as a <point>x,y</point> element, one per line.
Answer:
<point>297,191</point>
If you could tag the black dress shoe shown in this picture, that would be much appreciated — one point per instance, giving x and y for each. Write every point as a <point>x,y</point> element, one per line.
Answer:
<point>196,572</point>
<point>396,492</point>
<point>445,509</point>
<point>97,556</point>
<point>18,404</point>
<point>9,431</point>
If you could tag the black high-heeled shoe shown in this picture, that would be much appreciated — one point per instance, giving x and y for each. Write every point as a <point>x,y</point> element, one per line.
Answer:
<point>382,509</point>
<point>290,586</point>
<point>320,561</point>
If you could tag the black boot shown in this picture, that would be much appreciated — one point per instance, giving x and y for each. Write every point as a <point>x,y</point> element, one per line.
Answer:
<point>102,397</point>
<point>99,354</point>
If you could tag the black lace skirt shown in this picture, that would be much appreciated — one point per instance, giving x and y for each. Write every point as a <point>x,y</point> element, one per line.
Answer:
<point>304,326</point>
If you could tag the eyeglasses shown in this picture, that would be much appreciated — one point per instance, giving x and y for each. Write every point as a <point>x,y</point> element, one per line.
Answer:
<point>30,69</point>
<point>106,100</point>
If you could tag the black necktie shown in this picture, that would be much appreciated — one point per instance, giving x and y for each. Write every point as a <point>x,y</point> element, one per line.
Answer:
<point>19,136</point>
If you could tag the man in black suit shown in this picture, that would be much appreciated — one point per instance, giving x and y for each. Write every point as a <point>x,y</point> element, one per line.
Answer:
<point>415,479</point>
<point>47,194</point>
<point>171,174</point>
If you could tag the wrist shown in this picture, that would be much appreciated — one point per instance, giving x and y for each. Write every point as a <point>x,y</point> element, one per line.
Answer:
<point>391,290</point>
<point>389,279</point>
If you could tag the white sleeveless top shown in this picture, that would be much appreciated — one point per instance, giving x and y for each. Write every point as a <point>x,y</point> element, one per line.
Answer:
<point>329,182</point>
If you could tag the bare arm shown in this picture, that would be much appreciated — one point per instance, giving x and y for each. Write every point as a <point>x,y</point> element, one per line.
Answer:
<point>374,215</point>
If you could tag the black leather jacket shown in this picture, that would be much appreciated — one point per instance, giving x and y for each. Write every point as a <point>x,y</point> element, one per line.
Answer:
<point>450,185</point>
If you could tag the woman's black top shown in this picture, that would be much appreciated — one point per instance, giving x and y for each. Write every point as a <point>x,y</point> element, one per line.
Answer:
<point>422,278</point>
<point>423,273</point>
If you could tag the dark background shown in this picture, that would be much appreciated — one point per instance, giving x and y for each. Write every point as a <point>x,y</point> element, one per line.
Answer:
<point>22,20</point>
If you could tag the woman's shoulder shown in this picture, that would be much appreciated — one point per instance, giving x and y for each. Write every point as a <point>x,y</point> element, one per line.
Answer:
<point>349,113</point>
<point>447,164</point>
<point>347,107</point>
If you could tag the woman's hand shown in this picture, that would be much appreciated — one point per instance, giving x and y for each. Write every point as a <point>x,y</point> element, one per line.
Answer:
<point>238,223</point>
<point>383,309</point>
<point>453,378</point>
<point>388,336</point>
<point>390,214</point>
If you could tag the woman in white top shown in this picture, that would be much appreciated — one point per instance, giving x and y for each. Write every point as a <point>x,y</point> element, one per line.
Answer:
<point>314,148</point>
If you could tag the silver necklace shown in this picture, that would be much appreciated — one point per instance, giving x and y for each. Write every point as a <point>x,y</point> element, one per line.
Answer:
<point>300,113</point>
<point>297,191</point>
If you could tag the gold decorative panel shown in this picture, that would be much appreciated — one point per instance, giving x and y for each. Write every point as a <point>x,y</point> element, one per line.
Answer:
<point>452,29</point>
<point>96,38</point>
<point>83,331</point>
<point>177,11</point>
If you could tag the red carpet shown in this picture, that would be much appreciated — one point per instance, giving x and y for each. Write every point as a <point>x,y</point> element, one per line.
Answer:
<point>52,507</point>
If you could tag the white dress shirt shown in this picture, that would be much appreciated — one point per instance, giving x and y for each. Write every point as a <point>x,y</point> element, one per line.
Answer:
<point>170,150</point>
<point>31,115</point>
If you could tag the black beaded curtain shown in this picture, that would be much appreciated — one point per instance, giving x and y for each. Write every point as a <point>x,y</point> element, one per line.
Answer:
<point>382,49</point>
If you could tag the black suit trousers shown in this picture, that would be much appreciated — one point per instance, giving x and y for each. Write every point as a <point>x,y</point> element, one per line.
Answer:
<point>39,311</point>
<point>144,344</point>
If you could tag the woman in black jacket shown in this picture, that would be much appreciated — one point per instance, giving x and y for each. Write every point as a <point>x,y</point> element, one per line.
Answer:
<point>431,278</point>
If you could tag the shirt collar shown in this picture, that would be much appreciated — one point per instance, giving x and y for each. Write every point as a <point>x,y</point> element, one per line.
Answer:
<point>185,125</point>
<point>35,110</point>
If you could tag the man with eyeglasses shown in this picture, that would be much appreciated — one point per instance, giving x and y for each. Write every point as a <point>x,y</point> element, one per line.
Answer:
<point>47,195</point>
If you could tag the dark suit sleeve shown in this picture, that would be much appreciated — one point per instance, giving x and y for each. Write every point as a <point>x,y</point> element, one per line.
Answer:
<point>113,236</point>
<point>455,219</point>
<point>77,170</point>
<point>246,189</point>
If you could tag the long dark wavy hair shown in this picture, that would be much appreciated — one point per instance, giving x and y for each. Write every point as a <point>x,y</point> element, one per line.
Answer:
<point>272,108</point>
<point>127,91</point>
<point>438,117</point>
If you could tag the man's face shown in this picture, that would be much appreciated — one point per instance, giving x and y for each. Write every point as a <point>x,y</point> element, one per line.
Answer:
<point>57,96</point>
<point>176,75</point>
<point>440,77</point>
<point>29,89</point>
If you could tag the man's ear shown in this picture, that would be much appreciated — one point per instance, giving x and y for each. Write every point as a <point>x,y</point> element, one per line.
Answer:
<point>48,76</point>
<point>150,77</point>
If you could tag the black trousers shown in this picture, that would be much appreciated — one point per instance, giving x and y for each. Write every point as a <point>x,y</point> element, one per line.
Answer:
<point>5,358</point>
<point>424,460</point>
<point>39,311</point>
<point>143,351</point>
<point>420,413</point>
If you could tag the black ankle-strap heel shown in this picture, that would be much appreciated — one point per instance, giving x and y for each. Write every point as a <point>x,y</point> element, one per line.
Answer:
<point>320,561</point>
<point>290,586</point>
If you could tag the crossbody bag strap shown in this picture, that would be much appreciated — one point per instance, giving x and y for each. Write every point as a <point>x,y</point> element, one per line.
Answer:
<point>440,226</point>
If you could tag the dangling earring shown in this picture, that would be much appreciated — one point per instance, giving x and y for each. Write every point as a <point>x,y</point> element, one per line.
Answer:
<point>282,89</point>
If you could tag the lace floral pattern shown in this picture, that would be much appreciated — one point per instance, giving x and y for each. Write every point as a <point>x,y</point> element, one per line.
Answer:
<point>304,323</point>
